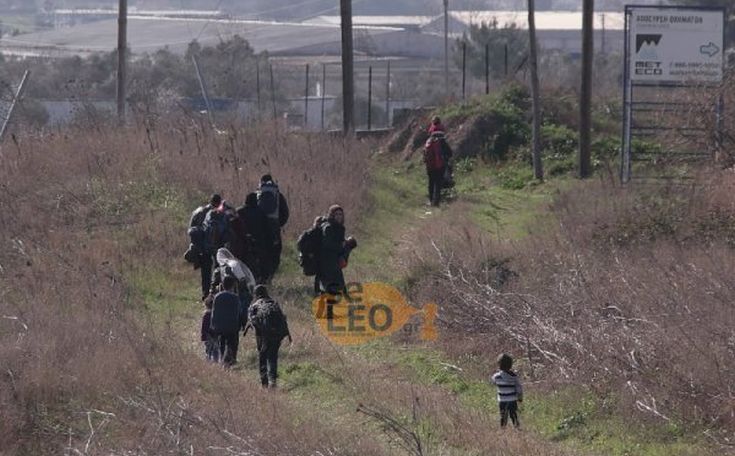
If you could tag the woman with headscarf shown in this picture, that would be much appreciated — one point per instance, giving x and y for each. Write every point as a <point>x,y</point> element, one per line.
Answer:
<point>334,253</point>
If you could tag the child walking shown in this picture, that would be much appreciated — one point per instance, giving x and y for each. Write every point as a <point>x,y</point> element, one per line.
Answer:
<point>510,390</point>
<point>211,344</point>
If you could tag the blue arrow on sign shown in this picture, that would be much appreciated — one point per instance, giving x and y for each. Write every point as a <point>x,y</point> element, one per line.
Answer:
<point>710,49</point>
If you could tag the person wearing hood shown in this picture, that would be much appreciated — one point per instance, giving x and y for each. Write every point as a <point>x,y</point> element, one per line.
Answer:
<point>334,253</point>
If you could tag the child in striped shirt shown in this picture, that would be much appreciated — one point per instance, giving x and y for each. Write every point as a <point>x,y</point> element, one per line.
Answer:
<point>510,391</point>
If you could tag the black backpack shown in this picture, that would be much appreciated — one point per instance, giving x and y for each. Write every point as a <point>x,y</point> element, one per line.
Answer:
<point>269,320</point>
<point>309,245</point>
<point>196,234</point>
<point>269,199</point>
<point>215,229</point>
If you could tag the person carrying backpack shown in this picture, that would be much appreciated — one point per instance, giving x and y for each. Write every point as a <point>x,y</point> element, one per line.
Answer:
<point>256,233</point>
<point>216,227</point>
<point>271,327</point>
<point>197,253</point>
<point>309,245</point>
<point>334,252</point>
<point>275,207</point>
<point>225,321</point>
<point>436,157</point>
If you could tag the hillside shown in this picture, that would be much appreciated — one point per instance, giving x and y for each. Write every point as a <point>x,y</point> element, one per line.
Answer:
<point>613,300</point>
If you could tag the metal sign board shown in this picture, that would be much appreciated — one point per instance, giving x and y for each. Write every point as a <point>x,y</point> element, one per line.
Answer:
<point>675,45</point>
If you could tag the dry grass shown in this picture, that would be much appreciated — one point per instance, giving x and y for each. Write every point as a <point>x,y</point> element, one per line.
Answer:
<point>82,373</point>
<point>629,295</point>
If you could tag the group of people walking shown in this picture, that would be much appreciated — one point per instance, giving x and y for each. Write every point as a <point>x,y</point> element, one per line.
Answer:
<point>238,251</point>
<point>252,232</point>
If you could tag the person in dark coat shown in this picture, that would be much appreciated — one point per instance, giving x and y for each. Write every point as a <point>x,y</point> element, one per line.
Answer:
<point>437,154</point>
<point>255,232</point>
<point>268,336</point>
<point>334,253</point>
<point>277,214</point>
<point>226,321</point>
<point>206,259</point>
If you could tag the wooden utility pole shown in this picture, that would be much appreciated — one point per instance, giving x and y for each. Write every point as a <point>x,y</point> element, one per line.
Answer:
<point>273,93</point>
<point>122,44</point>
<point>257,85</point>
<point>538,169</point>
<point>348,82</point>
<point>487,68</point>
<point>585,102</point>
<point>464,69</point>
<point>446,48</point>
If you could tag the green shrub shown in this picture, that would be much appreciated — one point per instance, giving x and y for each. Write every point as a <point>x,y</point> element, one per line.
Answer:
<point>515,177</point>
<point>512,130</point>
<point>558,141</point>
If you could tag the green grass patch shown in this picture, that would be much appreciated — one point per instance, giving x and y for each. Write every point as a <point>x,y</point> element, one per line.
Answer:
<point>168,299</point>
<point>572,416</point>
<point>583,420</point>
<point>504,200</point>
<point>397,202</point>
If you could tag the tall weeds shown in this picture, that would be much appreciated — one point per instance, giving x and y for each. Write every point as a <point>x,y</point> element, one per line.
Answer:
<point>629,294</point>
<point>82,373</point>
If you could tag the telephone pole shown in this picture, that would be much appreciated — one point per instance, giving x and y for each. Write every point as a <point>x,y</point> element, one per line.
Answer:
<point>585,102</point>
<point>122,39</point>
<point>538,169</point>
<point>446,48</point>
<point>348,83</point>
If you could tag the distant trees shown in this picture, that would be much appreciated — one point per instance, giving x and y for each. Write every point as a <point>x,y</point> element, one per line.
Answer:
<point>228,67</point>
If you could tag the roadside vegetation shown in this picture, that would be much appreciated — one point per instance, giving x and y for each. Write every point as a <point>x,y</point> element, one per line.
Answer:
<point>614,300</point>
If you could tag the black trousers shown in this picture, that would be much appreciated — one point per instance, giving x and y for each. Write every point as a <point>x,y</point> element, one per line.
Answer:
<point>271,259</point>
<point>268,359</point>
<point>228,344</point>
<point>508,409</point>
<point>206,269</point>
<point>436,182</point>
